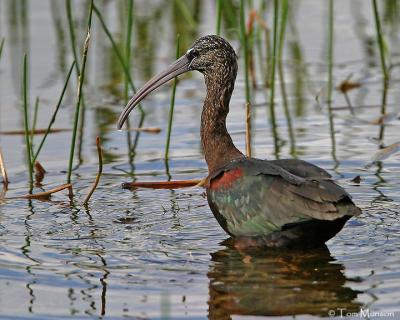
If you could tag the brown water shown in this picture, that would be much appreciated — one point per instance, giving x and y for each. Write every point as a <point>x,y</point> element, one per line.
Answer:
<point>158,253</point>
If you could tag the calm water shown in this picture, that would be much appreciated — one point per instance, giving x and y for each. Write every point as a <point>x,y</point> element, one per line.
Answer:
<point>160,254</point>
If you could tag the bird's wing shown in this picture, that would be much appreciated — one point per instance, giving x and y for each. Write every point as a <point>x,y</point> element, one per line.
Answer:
<point>254,197</point>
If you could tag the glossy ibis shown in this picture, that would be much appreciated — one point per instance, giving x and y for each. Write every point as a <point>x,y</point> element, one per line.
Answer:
<point>278,203</point>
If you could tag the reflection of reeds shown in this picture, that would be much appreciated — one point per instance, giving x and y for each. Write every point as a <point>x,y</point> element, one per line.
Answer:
<point>26,122</point>
<point>53,117</point>
<point>79,93</point>
<point>171,107</point>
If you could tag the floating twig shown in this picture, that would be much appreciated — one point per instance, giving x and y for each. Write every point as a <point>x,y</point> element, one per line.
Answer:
<point>34,132</point>
<point>175,184</point>
<point>99,172</point>
<point>44,194</point>
<point>148,130</point>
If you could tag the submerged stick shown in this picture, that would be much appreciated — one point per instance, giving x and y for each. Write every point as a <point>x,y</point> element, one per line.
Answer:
<point>171,107</point>
<point>79,94</point>
<point>99,172</point>
<point>44,194</point>
<point>26,121</point>
<point>3,170</point>
<point>162,185</point>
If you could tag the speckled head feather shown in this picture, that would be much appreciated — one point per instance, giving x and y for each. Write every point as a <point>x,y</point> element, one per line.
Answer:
<point>212,53</point>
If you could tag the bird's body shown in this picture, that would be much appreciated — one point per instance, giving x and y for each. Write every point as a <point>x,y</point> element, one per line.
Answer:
<point>280,203</point>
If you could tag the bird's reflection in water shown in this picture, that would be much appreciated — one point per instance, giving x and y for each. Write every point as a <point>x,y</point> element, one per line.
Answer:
<point>277,283</point>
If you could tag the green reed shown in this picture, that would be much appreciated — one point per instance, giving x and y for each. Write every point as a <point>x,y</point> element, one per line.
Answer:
<point>128,49</point>
<point>2,46</point>
<point>117,52</point>
<point>171,107</point>
<point>272,78</point>
<point>186,13</point>
<point>385,70</point>
<point>34,121</point>
<point>218,18</point>
<point>245,48</point>
<point>79,99</point>
<point>72,35</point>
<point>26,121</point>
<point>282,30</point>
<point>53,117</point>
<point>330,76</point>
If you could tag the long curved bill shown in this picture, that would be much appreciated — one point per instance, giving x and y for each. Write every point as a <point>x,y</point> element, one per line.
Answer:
<point>178,67</point>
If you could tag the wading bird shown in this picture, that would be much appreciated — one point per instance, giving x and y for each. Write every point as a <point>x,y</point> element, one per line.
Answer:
<point>278,203</point>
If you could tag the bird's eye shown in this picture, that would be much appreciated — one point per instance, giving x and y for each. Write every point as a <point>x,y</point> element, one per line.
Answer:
<point>191,53</point>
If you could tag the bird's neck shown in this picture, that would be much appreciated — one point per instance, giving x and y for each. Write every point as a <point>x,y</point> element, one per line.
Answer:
<point>218,146</point>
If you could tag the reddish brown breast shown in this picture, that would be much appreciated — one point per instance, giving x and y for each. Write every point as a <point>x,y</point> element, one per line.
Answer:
<point>226,179</point>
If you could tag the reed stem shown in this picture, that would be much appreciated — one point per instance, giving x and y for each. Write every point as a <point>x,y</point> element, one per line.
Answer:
<point>117,52</point>
<point>245,48</point>
<point>2,46</point>
<point>34,121</point>
<point>53,117</point>
<point>272,79</point>
<point>79,94</point>
<point>330,77</point>
<point>282,31</point>
<point>99,172</point>
<point>172,106</point>
<point>219,15</point>
<point>26,122</point>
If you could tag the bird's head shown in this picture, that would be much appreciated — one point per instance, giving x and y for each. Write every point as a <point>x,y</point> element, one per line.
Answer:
<point>209,55</point>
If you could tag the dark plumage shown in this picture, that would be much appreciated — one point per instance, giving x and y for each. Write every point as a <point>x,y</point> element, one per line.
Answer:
<point>281,203</point>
